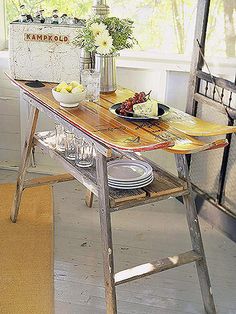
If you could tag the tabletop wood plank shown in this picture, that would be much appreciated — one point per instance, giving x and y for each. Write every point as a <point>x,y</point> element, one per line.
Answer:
<point>96,120</point>
<point>178,119</point>
<point>184,144</point>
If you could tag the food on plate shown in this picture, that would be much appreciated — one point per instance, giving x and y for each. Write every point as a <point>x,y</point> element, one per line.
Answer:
<point>72,88</point>
<point>147,109</point>
<point>139,105</point>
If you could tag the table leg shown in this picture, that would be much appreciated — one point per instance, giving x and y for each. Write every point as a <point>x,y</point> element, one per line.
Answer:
<point>89,198</point>
<point>196,238</point>
<point>106,234</point>
<point>33,118</point>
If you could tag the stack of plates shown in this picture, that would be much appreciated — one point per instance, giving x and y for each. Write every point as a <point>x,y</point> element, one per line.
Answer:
<point>129,174</point>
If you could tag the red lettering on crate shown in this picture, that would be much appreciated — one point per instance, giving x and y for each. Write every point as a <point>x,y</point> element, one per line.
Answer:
<point>46,38</point>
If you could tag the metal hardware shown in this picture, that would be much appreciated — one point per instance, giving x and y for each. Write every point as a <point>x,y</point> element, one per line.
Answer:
<point>101,8</point>
<point>86,60</point>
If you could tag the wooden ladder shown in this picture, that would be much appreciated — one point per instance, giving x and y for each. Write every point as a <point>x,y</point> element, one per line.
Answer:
<point>196,255</point>
<point>214,96</point>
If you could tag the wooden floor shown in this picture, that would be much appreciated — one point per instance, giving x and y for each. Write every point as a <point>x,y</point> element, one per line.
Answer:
<point>140,235</point>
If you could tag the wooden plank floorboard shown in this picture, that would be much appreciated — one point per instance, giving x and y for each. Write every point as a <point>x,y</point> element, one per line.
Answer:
<point>72,308</point>
<point>94,296</point>
<point>90,294</point>
<point>139,240</point>
<point>126,239</point>
<point>127,308</point>
<point>91,248</point>
<point>140,235</point>
<point>155,285</point>
<point>160,285</point>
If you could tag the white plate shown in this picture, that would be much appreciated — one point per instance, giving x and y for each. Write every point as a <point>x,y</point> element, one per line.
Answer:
<point>128,170</point>
<point>130,187</point>
<point>131,182</point>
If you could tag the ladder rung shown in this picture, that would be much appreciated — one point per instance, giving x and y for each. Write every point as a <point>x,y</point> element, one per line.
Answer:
<point>48,180</point>
<point>155,267</point>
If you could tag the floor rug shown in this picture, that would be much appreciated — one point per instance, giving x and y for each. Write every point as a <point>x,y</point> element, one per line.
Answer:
<point>26,252</point>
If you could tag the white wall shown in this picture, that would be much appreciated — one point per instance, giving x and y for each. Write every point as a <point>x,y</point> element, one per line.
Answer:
<point>2,28</point>
<point>9,118</point>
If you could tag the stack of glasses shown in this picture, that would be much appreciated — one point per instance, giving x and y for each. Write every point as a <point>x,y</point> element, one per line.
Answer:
<point>76,149</point>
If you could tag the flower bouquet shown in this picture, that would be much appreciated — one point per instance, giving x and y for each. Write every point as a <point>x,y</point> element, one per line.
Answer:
<point>106,35</point>
<point>104,38</point>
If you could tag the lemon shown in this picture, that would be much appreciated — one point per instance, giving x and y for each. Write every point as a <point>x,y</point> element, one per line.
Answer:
<point>74,84</point>
<point>60,86</point>
<point>69,88</point>
<point>78,89</point>
<point>64,91</point>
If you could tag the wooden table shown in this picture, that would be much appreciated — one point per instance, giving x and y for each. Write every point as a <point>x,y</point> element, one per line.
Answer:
<point>114,137</point>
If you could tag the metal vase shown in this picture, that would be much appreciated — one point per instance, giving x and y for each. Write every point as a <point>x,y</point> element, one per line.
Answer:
<point>106,65</point>
<point>101,8</point>
<point>86,60</point>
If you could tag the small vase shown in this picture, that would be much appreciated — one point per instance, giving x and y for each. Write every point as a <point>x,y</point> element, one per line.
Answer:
<point>106,65</point>
<point>86,60</point>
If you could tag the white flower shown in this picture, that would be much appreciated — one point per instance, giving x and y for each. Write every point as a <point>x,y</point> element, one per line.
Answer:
<point>98,28</point>
<point>104,43</point>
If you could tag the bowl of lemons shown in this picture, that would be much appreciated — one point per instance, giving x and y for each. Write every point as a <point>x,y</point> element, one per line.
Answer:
<point>69,95</point>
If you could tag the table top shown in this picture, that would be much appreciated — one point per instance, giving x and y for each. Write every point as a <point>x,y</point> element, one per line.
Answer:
<point>175,132</point>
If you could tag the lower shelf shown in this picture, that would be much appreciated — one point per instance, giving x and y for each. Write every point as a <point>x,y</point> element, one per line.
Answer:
<point>164,186</point>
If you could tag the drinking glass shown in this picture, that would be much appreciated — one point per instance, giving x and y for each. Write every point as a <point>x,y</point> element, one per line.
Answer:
<point>70,150</point>
<point>60,137</point>
<point>48,20</point>
<point>84,153</point>
<point>91,81</point>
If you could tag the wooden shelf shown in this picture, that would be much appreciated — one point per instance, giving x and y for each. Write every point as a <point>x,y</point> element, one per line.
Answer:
<point>87,176</point>
<point>164,186</point>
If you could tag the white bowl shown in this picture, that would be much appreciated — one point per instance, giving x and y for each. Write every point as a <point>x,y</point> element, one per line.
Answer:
<point>69,100</point>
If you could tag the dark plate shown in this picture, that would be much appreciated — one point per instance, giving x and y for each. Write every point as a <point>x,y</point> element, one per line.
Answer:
<point>162,111</point>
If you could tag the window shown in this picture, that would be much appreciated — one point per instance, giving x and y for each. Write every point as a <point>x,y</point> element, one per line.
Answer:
<point>161,26</point>
<point>167,26</point>
<point>76,8</point>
